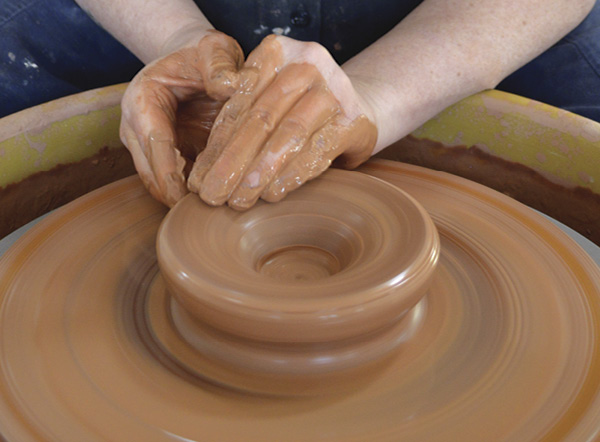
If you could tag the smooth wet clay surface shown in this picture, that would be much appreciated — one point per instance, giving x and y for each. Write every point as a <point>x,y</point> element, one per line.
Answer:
<point>506,348</point>
<point>319,283</point>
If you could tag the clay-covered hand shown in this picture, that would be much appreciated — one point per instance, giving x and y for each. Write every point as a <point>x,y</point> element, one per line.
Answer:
<point>169,108</point>
<point>294,113</point>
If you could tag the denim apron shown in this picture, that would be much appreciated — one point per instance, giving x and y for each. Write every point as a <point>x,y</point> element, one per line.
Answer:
<point>51,48</point>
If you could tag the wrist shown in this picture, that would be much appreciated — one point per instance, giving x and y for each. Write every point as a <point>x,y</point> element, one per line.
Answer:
<point>146,26</point>
<point>382,111</point>
<point>187,36</point>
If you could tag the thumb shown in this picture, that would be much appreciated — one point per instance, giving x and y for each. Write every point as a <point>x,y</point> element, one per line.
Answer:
<point>221,60</point>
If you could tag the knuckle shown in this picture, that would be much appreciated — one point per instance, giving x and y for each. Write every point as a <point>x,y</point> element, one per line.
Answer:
<point>262,115</point>
<point>124,135</point>
<point>315,52</point>
<point>224,165</point>
<point>345,82</point>
<point>296,126</point>
<point>270,42</point>
<point>303,74</point>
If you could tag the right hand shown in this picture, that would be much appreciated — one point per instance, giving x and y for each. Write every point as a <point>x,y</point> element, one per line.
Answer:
<point>296,111</point>
<point>169,107</point>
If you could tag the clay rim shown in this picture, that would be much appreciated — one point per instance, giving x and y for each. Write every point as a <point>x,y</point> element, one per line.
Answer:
<point>257,293</point>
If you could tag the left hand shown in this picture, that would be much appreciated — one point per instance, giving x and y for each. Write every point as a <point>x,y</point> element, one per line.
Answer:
<point>170,105</point>
<point>293,114</point>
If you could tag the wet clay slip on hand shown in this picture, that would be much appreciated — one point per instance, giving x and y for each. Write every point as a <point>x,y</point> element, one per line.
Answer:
<point>290,298</point>
<point>506,347</point>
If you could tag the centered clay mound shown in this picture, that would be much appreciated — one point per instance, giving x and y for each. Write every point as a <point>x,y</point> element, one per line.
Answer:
<point>505,345</point>
<point>303,295</point>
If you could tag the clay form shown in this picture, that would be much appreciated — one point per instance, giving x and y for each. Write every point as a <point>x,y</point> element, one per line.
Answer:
<point>506,349</point>
<point>317,285</point>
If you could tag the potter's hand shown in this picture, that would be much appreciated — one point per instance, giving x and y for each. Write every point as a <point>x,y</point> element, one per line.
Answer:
<point>169,108</point>
<point>295,112</point>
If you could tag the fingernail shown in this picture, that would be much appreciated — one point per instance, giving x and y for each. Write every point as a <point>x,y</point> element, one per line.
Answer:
<point>275,192</point>
<point>240,204</point>
<point>241,200</point>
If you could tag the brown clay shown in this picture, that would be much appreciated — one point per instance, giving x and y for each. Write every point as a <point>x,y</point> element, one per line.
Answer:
<point>351,255</point>
<point>505,348</point>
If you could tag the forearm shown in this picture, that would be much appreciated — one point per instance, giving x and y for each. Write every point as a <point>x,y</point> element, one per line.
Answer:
<point>146,26</point>
<point>446,50</point>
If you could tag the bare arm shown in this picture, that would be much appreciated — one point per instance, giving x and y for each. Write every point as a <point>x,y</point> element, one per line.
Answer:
<point>147,27</point>
<point>443,51</point>
<point>169,106</point>
<point>446,50</point>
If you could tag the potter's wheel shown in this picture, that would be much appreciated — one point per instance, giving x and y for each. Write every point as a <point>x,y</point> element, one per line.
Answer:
<point>507,345</point>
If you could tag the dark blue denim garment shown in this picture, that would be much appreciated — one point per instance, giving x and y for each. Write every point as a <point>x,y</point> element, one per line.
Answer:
<point>568,74</point>
<point>51,48</point>
<point>344,27</point>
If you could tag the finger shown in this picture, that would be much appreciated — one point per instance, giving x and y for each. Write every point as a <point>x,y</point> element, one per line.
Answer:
<point>224,126</point>
<point>323,147</point>
<point>153,123</point>
<point>212,67</point>
<point>221,59</point>
<point>140,160</point>
<point>361,142</point>
<point>168,166</point>
<point>336,139</point>
<point>310,113</point>
<point>259,71</point>
<point>277,99</point>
